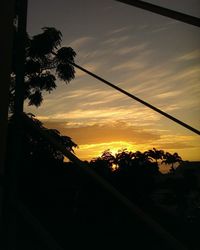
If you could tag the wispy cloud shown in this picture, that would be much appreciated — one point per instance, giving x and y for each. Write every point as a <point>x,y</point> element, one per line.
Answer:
<point>90,67</point>
<point>81,41</point>
<point>131,49</point>
<point>108,132</point>
<point>188,73</point>
<point>136,115</point>
<point>195,54</point>
<point>174,142</point>
<point>129,65</point>
<point>119,30</point>
<point>174,93</point>
<point>116,41</point>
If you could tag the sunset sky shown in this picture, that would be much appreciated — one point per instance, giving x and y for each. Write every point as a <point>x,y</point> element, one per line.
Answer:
<point>153,57</point>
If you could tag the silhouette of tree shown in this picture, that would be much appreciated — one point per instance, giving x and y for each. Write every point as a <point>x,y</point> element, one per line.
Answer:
<point>141,158</point>
<point>155,154</point>
<point>46,61</point>
<point>133,176</point>
<point>108,157</point>
<point>171,159</point>
<point>124,158</point>
<point>120,160</point>
<point>103,164</point>
<point>35,146</point>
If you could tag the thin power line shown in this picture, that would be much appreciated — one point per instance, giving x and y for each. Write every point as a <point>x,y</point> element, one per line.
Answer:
<point>136,98</point>
<point>163,11</point>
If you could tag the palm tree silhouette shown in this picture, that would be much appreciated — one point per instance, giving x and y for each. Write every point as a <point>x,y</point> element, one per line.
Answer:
<point>140,157</point>
<point>171,159</point>
<point>155,154</point>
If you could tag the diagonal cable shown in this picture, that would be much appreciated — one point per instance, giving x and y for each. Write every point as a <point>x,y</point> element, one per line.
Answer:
<point>163,11</point>
<point>136,98</point>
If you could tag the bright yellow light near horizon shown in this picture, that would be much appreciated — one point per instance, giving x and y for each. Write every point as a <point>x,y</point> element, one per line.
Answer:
<point>90,151</point>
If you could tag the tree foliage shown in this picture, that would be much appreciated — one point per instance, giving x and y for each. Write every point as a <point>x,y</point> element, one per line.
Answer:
<point>171,159</point>
<point>155,154</point>
<point>45,63</point>
<point>125,159</point>
<point>35,146</point>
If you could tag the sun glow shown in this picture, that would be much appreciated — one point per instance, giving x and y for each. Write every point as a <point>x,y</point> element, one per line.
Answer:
<point>90,151</point>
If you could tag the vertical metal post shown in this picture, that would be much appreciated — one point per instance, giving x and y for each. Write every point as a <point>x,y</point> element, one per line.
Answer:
<point>21,8</point>
<point>7,13</point>
<point>13,168</point>
<point>6,42</point>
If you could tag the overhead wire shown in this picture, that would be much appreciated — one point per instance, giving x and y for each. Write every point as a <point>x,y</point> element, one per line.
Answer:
<point>183,124</point>
<point>179,16</point>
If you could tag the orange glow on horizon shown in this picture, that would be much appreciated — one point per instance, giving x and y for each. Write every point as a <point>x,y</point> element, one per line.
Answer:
<point>91,151</point>
<point>94,150</point>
